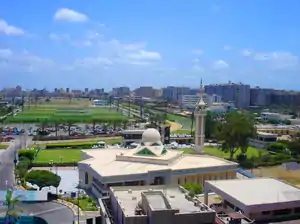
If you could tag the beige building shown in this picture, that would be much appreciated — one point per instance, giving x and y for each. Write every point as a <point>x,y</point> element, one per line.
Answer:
<point>149,164</point>
<point>155,205</point>
<point>265,200</point>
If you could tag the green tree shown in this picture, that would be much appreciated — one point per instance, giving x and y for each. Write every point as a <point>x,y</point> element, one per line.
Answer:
<point>43,178</point>
<point>234,133</point>
<point>210,125</point>
<point>22,169</point>
<point>12,213</point>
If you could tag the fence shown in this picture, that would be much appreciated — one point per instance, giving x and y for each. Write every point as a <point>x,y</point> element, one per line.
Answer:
<point>245,173</point>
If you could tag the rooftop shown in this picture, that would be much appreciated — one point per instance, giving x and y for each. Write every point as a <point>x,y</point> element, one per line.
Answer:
<point>270,190</point>
<point>150,155</point>
<point>129,197</point>
<point>104,162</point>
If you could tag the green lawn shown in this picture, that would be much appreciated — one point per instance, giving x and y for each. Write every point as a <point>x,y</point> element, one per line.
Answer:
<point>182,131</point>
<point>67,155</point>
<point>85,203</point>
<point>77,113</point>
<point>3,147</point>
<point>108,141</point>
<point>214,151</point>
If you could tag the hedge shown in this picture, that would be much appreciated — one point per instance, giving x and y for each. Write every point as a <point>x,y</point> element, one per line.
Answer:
<point>43,164</point>
<point>66,137</point>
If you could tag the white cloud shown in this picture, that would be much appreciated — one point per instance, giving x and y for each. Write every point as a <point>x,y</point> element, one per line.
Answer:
<point>278,60</point>
<point>196,60</point>
<point>198,52</point>
<point>220,64</point>
<point>5,53</point>
<point>93,62</point>
<point>227,48</point>
<point>23,61</point>
<point>198,68</point>
<point>10,30</point>
<point>145,55</point>
<point>59,37</point>
<point>247,52</point>
<point>125,53</point>
<point>69,15</point>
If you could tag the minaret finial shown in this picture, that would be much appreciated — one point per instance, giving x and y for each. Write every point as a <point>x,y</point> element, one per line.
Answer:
<point>201,87</point>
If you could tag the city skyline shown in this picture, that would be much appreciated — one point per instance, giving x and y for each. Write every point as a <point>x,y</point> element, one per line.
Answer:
<point>77,44</point>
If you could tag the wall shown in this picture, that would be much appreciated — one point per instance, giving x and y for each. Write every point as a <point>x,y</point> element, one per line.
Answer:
<point>200,178</point>
<point>195,218</point>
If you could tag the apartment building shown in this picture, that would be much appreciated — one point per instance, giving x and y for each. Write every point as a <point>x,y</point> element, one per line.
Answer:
<point>238,93</point>
<point>174,93</point>
<point>145,91</point>
<point>121,91</point>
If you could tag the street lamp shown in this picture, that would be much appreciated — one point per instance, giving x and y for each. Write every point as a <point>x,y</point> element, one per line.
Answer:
<point>79,182</point>
<point>52,165</point>
<point>6,184</point>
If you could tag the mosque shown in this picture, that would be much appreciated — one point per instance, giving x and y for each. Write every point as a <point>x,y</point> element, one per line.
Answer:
<point>151,163</point>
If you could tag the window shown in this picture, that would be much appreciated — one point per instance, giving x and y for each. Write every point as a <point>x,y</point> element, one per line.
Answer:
<point>297,210</point>
<point>229,204</point>
<point>86,178</point>
<point>282,212</point>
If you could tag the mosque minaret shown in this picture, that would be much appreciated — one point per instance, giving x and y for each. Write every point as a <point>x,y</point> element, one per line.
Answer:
<point>199,115</point>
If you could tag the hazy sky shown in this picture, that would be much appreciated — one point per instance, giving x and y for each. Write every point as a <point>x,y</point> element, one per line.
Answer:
<point>106,43</point>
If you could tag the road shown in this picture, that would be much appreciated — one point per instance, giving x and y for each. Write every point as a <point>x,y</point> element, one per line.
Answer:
<point>7,161</point>
<point>51,212</point>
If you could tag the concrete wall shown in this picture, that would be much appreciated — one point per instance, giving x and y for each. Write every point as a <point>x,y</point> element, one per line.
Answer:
<point>195,218</point>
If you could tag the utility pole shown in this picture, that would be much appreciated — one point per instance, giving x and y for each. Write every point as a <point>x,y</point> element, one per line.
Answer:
<point>79,182</point>
<point>129,107</point>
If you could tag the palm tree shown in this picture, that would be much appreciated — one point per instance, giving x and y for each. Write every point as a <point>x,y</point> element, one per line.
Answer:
<point>12,214</point>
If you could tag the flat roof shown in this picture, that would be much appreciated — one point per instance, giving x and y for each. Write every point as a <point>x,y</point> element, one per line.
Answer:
<point>257,191</point>
<point>129,197</point>
<point>104,162</point>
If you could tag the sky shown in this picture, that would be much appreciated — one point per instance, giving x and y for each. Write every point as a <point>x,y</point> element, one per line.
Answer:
<point>109,43</point>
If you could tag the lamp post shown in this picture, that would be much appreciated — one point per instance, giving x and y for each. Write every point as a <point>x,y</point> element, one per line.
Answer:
<point>79,182</point>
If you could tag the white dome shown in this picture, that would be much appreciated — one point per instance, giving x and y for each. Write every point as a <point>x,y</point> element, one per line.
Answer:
<point>151,135</point>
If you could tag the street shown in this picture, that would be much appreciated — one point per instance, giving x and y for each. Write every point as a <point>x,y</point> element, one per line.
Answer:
<point>7,161</point>
<point>51,212</point>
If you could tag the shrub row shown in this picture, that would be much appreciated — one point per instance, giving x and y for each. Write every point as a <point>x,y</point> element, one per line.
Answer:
<point>53,138</point>
<point>45,164</point>
<point>77,145</point>
<point>266,160</point>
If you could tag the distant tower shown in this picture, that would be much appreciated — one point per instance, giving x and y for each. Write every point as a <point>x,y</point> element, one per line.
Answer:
<point>200,121</point>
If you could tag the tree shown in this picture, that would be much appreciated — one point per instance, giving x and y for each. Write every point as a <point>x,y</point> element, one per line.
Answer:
<point>22,169</point>
<point>43,178</point>
<point>11,214</point>
<point>210,125</point>
<point>234,133</point>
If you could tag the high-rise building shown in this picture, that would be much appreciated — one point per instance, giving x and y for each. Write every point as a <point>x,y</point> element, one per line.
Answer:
<point>174,93</point>
<point>145,91</point>
<point>121,91</point>
<point>238,93</point>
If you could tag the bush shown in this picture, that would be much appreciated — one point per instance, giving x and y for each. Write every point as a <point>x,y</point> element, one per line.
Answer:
<point>27,153</point>
<point>276,147</point>
<point>193,188</point>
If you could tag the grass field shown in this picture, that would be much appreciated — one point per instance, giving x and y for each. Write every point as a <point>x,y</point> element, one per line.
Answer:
<point>58,156</point>
<point>291,176</point>
<point>214,151</point>
<point>2,147</point>
<point>65,112</point>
